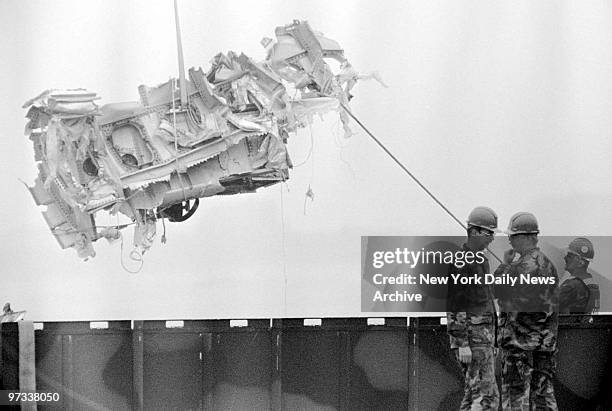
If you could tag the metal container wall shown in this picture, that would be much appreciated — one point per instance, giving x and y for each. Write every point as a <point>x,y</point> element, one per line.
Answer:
<point>90,368</point>
<point>338,364</point>
<point>204,365</point>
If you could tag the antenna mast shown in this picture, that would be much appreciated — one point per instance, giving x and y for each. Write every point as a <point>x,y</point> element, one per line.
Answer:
<point>179,46</point>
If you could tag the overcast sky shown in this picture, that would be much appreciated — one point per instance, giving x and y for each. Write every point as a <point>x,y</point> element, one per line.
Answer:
<point>505,104</point>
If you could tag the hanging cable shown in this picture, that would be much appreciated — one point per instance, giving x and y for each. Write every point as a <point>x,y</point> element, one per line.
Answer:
<point>134,256</point>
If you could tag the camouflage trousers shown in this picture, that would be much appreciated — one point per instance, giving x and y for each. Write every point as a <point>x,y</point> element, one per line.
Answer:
<point>480,388</point>
<point>527,380</point>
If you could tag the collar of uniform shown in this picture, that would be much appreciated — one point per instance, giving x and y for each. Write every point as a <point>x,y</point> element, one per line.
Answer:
<point>466,248</point>
<point>530,251</point>
<point>566,277</point>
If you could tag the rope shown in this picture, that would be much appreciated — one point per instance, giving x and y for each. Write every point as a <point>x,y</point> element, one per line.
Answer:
<point>414,178</point>
<point>399,163</point>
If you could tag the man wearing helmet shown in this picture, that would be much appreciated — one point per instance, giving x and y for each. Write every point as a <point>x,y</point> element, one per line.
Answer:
<point>575,296</point>
<point>529,320</point>
<point>472,319</point>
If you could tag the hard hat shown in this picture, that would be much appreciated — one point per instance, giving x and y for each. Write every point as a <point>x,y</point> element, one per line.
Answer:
<point>522,223</point>
<point>582,247</point>
<point>483,217</point>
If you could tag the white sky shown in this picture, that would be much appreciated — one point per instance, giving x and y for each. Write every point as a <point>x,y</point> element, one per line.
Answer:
<point>505,104</point>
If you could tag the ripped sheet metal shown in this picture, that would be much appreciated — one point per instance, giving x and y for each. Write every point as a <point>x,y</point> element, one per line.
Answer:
<point>148,159</point>
<point>9,316</point>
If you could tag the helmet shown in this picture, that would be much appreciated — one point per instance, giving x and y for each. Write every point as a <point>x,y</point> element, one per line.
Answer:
<point>483,217</point>
<point>522,223</point>
<point>582,247</point>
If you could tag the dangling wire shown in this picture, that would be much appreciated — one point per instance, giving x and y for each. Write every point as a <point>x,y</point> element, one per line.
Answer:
<point>134,256</point>
<point>341,147</point>
<point>309,193</point>
<point>163,237</point>
<point>309,151</point>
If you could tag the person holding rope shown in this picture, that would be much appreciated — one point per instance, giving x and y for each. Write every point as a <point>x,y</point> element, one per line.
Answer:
<point>471,318</point>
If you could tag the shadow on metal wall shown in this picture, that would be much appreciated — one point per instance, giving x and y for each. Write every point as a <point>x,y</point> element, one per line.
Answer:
<point>88,367</point>
<point>333,364</point>
<point>584,366</point>
<point>344,364</point>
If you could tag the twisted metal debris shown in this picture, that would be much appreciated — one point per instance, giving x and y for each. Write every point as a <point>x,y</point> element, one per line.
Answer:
<point>216,133</point>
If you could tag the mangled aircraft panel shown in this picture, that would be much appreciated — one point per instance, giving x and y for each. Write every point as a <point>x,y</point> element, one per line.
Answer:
<point>215,133</point>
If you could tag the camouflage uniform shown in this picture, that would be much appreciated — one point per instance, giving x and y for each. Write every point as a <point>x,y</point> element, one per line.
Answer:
<point>471,323</point>
<point>528,334</point>
<point>574,296</point>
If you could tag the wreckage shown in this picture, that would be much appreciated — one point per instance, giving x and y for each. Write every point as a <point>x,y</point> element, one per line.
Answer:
<point>9,316</point>
<point>218,132</point>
